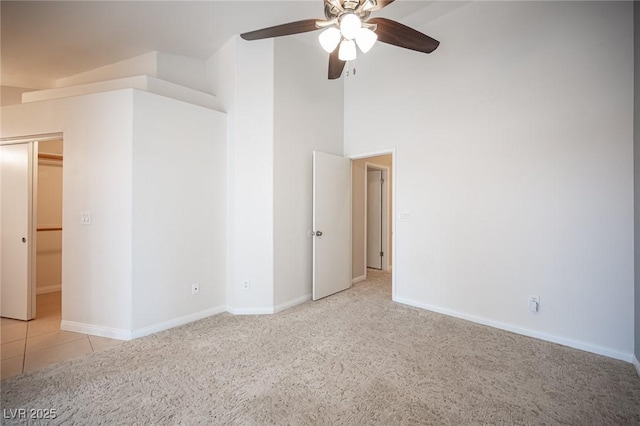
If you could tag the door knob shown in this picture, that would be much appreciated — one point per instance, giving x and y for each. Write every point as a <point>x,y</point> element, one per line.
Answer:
<point>318,233</point>
<point>24,240</point>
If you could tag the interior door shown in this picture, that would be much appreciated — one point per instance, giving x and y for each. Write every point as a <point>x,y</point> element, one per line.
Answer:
<point>374,219</point>
<point>16,224</point>
<point>331,224</point>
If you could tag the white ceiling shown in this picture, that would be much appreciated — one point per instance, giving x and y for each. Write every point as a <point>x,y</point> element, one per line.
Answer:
<point>42,41</point>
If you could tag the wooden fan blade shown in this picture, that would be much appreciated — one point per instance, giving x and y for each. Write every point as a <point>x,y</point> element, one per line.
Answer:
<point>392,32</point>
<point>335,65</point>
<point>380,4</point>
<point>282,30</point>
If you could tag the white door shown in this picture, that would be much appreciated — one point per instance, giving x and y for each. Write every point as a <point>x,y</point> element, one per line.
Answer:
<point>331,224</point>
<point>374,219</point>
<point>16,240</point>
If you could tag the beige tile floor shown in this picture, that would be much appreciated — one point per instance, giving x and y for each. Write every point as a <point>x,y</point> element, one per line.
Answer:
<point>30,345</point>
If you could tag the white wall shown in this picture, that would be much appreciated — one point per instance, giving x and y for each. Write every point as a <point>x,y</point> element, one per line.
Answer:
<point>96,258</point>
<point>280,108</point>
<point>308,116</point>
<point>253,180</point>
<point>182,70</point>
<point>146,64</point>
<point>247,97</point>
<point>221,77</point>
<point>96,269</point>
<point>32,119</point>
<point>514,159</point>
<point>124,186</point>
<point>179,195</point>
<point>11,95</point>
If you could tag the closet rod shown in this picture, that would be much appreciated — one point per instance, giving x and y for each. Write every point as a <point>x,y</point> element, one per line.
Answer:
<point>47,156</point>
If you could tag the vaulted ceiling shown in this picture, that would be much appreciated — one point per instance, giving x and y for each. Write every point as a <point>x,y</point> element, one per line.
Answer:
<point>43,41</point>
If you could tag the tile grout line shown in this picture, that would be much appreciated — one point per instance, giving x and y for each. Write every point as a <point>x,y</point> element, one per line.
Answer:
<point>66,358</point>
<point>56,344</point>
<point>26,337</point>
<point>24,352</point>
<point>24,348</point>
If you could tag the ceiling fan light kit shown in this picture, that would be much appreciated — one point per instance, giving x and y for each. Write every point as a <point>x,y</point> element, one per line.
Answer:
<point>329,39</point>
<point>347,50</point>
<point>347,24</point>
<point>366,39</point>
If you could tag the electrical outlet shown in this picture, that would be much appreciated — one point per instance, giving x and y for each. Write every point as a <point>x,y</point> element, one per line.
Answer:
<point>534,303</point>
<point>195,288</point>
<point>246,285</point>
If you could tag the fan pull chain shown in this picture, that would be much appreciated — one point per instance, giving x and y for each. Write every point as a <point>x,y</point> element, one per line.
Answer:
<point>348,72</point>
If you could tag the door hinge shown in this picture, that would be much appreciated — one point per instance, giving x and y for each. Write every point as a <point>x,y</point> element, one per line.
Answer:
<point>381,253</point>
<point>381,181</point>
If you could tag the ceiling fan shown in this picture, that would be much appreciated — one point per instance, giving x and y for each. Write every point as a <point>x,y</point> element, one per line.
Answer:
<point>347,24</point>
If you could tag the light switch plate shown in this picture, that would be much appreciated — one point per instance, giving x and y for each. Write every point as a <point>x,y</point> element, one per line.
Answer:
<point>405,217</point>
<point>85,218</point>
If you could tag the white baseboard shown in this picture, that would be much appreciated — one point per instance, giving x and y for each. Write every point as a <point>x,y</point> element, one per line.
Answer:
<point>121,334</point>
<point>636,364</point>
<point>358,279</point>
<point>258,310</point>
<point>48,289</point>
<point>291,303</point>
<point>266,310</point>
<point>600,350</point>
<point>96,330</point>
<point>175,322</point>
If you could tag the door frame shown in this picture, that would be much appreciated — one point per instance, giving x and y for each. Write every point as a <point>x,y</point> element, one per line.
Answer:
<point>33,201</point>
<point>392,152</point>
<point>384,213</point>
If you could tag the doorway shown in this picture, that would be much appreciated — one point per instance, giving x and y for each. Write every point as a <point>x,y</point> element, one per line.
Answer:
<point>49,230</point>
<point>31,187</point>
<point>372,214</point>
<point>377,222</point>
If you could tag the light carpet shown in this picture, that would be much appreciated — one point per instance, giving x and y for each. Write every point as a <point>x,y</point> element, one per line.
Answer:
<point>355,358</point>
